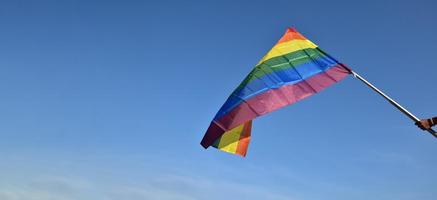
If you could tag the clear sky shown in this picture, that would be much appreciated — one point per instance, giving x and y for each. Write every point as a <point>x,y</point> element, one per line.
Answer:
<point>109,100</point>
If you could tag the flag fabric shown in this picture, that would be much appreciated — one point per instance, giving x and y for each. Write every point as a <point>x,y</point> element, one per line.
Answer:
<point>235,140</point>
<point>293,69</point>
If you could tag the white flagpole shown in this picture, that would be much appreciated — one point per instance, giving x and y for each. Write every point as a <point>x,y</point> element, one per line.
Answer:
<point>393,102</point>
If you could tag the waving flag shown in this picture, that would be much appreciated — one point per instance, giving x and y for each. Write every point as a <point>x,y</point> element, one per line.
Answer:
<point>293,69</point>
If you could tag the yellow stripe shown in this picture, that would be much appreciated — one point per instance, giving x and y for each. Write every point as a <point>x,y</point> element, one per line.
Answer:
<point>286,48</point>
<point>229,140</point>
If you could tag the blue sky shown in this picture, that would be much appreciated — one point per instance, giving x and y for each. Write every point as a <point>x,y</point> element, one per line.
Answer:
<point>110,99</point>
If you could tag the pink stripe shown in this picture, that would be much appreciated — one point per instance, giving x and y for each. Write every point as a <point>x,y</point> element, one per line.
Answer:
<point>272,100</point>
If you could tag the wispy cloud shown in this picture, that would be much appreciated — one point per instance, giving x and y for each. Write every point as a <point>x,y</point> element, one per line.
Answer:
<point>162,187</point>
<point>46,188</point>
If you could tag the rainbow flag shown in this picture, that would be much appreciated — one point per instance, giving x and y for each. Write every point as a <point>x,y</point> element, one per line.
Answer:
<point>293,69</point>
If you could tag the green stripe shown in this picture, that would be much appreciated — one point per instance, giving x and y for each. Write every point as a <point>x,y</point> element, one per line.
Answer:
<point>217,142</point>
<point>280,63</point>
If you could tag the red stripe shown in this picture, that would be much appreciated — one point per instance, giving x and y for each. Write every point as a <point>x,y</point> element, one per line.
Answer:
<point>291,34</point>
<point>272,100</point>
<point>244,140</point>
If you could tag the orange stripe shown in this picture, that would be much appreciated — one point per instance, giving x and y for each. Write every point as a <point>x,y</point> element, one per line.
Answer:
<point>291,34</point>
<point>243,143</point>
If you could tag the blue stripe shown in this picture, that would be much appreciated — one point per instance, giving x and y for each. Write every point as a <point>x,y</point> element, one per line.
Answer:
<point>276,80</point>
